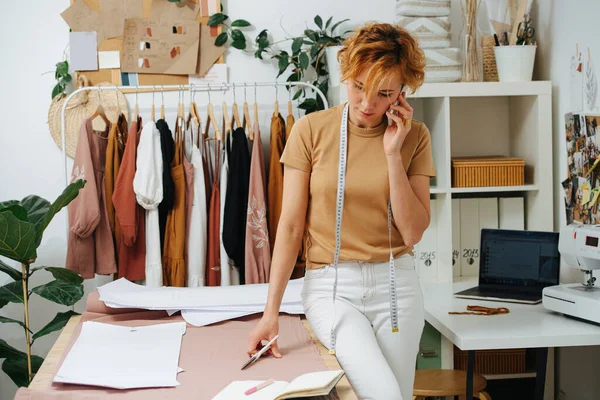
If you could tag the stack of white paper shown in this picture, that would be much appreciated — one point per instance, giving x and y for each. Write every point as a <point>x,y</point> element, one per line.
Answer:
<point>203,305</point>
<point>123,357</point>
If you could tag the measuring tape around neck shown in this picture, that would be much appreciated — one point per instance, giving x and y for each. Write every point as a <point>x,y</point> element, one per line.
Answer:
<point>339,208</point>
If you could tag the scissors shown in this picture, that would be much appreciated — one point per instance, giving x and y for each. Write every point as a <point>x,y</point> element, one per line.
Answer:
<point>525,35</point>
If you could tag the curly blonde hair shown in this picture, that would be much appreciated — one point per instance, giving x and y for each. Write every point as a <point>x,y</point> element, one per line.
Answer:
<point>384,51</point>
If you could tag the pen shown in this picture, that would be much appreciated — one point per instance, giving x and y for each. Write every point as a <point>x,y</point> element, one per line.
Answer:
<point>496,40</point>
<point>259,386</point>
<point>260,352</point>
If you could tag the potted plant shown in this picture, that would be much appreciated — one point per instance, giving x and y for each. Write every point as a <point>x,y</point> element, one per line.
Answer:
<point>22,224</point>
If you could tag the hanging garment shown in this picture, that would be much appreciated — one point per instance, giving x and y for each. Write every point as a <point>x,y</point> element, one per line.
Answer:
<point>207,171</point>
<point>117,136</point>
<point>148,188</point>
<point>226,263</point>
<point>174,246</point>
<point>257,249</point>
<point>130,215</point>
<point>236,204</point>
<point>188,170</point>
<point>213,266</point>
<point>275,185</point>
<point>289,123</point>
<point>168,151</point>
<point>197,237</point>
<point>91,248</point>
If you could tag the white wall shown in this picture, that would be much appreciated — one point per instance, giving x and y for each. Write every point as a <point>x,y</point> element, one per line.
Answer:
<point>33,37</point>
<point>560,25</point>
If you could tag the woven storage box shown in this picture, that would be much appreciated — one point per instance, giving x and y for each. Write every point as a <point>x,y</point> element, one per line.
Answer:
<point>487,171</point>
<point>493,362</point>
<point>490,72</point>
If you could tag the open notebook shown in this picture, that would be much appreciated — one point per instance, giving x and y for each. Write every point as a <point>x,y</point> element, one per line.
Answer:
<point>306,385</point>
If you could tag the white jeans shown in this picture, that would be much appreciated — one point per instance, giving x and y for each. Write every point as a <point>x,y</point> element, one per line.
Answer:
<point>379,363</point>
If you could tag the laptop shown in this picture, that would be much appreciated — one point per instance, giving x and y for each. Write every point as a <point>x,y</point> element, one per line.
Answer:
<point>515,266</point>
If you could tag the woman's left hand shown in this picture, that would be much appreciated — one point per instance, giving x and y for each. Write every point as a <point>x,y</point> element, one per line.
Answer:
<point>401,123</point>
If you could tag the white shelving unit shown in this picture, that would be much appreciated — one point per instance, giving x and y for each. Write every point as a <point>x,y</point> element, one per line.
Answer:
<point>479,119</point>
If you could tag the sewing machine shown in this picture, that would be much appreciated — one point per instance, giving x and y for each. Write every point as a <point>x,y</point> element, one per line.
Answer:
<point>579,246</point>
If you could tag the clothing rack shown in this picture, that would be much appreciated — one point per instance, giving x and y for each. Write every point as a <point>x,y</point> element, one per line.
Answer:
<point>192,88</point>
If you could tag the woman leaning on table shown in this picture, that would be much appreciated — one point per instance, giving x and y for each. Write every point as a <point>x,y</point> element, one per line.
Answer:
<point>383,188</point>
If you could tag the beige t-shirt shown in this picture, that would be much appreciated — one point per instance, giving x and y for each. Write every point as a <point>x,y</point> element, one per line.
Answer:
<point>313,146</point>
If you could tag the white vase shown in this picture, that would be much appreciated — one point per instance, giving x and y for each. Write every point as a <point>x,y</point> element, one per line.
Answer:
<point>333,66</point>
<point>515,63</point>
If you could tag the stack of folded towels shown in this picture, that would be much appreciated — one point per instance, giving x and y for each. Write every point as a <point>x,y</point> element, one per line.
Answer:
<point>429,22</point>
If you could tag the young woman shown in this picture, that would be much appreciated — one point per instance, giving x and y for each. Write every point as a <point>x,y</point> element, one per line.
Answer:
<point>358,176</point>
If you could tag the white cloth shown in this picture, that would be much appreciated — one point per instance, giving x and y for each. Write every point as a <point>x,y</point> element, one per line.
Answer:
<point>197,238</point>
<point>229,274</point>
<point>384,368</point>
<point>148,188</point>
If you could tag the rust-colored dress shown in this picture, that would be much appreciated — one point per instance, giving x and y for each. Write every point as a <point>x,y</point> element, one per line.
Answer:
<point>275,184</point>
<point>174,247</point>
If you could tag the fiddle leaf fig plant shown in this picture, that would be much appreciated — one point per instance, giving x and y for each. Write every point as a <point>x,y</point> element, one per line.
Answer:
<point>22,225</point>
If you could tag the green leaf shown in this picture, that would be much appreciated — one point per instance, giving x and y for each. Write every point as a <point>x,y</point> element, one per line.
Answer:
<point>328,22</point>
<point>309,33</point>
<point>67,196</point>
<point>16,368</point>
<point>57,90</point>
<point>297,45</point>
<point>10,271</point>
<point>338,24</point>
<point>17,238</point>
<point>263,34</point>
<point>284,62</point>
<point>7,351</point>
<point>60,292</point>
<point>237,35</point>
<point>258,54</point>
<point>319,22</point>
<point>3,303</point>
<point>217,19</point>
<point>36,208</point>
<point>67,78</point>
<point>62,68</point>
<point>62,274</point>
<point>263,43</point>
<point>303,61</point>
<point>12,292</point>
<point>239,44</point>
<point>59,322</point>
<point>240,23</point>
<point>221,39</point>
<point>297,95</point>
<point>11,321</point>
<point>295,77</point>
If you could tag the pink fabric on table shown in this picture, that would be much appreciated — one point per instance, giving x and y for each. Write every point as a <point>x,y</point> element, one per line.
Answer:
<point>211,357</point>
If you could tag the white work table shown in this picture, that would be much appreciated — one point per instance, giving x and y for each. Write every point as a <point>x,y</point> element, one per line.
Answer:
<point>525,326</point>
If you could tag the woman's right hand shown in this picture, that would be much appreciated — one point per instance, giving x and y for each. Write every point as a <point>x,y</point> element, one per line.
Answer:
<point>266,329</point>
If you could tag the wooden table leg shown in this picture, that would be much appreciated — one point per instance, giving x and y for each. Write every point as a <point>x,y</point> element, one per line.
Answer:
<point>540,377</point>
<point>470,367</point>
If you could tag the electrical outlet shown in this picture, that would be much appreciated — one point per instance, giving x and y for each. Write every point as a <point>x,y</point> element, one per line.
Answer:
<point>561,395</point>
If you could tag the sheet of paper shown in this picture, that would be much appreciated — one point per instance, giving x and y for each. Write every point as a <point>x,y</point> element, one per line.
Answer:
<point>216,74</point>
<point>81,18</point>
<point>115,12</point>
<point>109,59</point>
<point>169,11</point>
<point>209,53</point>
<point>159,46</point>
<point>128,294</point>
<point>83,49</point>
<point>207,317</point>
<point>124,357</point>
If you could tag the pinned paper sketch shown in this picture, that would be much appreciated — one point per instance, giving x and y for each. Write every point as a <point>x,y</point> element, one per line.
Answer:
<point>504,13</point>
<point>81,18</point>
<point>590,88</point>
<point>576,81</point>
<point>115,12</point>
<point>83,51</point>
<point>164,47</point>
<point>169,10</point>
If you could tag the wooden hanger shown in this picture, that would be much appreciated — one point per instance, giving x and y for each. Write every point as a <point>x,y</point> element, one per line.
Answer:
<point>235,121</point>
<point>162,106</point>
<point>211,119</point>
<point>136,108</point>
<point>100,110</point>
<point>276,112</point>
<point>255,113</point>
<point>193,108</point>
<point>152,113</point>
<point>226,122</point>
